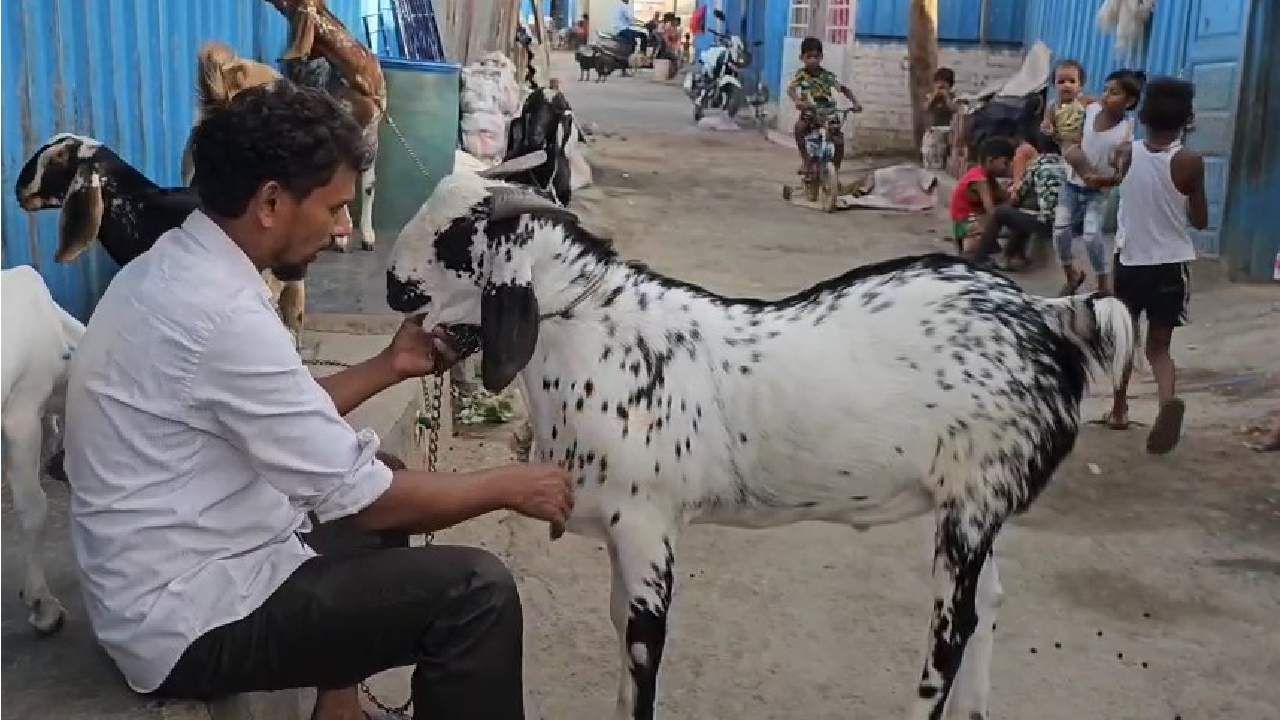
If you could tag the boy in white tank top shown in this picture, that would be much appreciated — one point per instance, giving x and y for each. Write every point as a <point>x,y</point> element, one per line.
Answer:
<point>1162,190</point>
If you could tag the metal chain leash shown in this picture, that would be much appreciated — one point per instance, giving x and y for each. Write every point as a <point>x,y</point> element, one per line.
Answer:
<point>405,143</point>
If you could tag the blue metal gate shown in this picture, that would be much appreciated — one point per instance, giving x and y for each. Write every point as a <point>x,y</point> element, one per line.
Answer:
<point>1215,42</point>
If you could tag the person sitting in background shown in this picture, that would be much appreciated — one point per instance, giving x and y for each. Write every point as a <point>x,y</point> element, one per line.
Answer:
<point>940,105</point>
<point>1031,207</point>
<point>976,197</point>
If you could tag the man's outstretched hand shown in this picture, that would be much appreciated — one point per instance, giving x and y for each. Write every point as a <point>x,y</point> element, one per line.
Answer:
<point>414,352</point>
<point>541,492</point>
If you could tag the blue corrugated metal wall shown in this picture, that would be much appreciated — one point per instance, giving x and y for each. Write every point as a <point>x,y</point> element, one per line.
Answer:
<point>1068,27</point>
<point>1250,241</point>
<point>121,71</point>
<point>958,20</point>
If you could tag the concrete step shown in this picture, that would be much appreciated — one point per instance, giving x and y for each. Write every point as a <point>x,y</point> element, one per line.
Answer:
<point>70,677</point>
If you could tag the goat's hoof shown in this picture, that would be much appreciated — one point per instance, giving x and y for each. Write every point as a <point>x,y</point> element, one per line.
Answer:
<point>366,245</point>
<point>46,615</point>
<point>340,243</point>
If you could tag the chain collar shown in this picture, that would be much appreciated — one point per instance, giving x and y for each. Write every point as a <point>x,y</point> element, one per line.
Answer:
<point>591,287</point>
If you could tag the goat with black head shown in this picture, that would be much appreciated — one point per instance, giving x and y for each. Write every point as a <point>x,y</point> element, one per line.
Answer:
<point>537,140</point>
<point>104,198</point>
<point>920,385</point>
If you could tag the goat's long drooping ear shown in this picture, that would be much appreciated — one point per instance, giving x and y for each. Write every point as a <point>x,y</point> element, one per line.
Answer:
<point>81,214</point>
<point>508,318</point>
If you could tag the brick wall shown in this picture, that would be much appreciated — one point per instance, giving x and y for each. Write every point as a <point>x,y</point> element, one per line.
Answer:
<point>878,78</point>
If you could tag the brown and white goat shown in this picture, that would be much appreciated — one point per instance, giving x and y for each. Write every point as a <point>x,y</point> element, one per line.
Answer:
<point>316,32</point>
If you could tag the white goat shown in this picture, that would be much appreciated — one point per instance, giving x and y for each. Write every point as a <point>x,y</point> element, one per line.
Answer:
<point>38,339</point>
<point>916,385</point>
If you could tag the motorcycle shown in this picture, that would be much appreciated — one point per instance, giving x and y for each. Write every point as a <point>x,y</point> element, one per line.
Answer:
<point>821,179</point>
<point>717,82</point>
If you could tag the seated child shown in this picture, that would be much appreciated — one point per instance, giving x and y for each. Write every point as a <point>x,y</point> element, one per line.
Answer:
<point>1032,202</point>
<point>974,202</point>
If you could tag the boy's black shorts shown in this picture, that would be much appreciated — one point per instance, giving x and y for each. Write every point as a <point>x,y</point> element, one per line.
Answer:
<point>1163,292</point>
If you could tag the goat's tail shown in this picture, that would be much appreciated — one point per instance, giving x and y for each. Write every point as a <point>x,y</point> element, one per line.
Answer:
<point>1101,326</point>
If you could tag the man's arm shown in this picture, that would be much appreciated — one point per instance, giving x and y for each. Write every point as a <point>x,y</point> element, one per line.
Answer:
<point>420,502</point>
<point>1187,169</point>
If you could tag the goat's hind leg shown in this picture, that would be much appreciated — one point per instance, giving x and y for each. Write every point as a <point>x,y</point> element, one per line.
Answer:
<point>962,546</point>
<point>643,575</point>
<point>22,448</point>
<point>973,681</point>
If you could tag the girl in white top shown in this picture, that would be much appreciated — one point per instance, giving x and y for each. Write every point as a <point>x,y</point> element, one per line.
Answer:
<point>1162,190</point>
<point>1091,174</point>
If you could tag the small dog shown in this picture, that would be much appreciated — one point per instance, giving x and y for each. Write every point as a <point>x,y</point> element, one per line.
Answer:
<point>586,57</point>
<point>605,65</point>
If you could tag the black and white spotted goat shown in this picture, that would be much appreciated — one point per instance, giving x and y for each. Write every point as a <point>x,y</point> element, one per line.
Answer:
<point>916,385</point>
<point>104,198</point>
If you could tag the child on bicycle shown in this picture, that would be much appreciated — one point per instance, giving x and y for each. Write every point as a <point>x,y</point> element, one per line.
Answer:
<point>812,89</point>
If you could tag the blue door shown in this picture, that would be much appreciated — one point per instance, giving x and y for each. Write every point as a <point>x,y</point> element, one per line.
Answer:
<point>1215,44</point>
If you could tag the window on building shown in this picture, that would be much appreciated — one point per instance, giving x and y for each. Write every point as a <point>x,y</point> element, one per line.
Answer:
<point>798,27</point>
<point>839,17</point>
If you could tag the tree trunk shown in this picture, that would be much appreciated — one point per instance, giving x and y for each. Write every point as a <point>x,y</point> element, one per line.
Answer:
<point>922,56</point>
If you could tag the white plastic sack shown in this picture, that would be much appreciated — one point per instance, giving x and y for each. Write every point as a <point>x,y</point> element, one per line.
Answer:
<point>465,161</point>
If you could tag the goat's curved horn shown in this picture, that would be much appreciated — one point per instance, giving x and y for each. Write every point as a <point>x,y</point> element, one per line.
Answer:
<point>81,216</point>
<point>512,202</point>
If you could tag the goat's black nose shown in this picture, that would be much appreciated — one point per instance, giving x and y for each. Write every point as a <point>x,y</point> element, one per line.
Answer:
<point>405,297</point>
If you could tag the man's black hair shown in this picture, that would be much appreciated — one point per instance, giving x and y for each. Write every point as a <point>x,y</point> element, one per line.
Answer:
<point>1167,104</point>
<point>996,147</point>
<point>946,75</point>
<point>1043,142</point>
<point>296,136</point>
<point>810,44</point>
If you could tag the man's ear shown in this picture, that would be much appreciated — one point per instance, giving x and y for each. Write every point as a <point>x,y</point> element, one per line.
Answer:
<point>268,203</point>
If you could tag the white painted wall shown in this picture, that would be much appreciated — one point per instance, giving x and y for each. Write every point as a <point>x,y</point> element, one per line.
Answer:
<point>878,78</point>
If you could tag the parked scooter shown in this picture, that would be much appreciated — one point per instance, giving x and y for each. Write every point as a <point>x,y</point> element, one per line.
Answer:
<point>821,179</point>
<point>717,82</point>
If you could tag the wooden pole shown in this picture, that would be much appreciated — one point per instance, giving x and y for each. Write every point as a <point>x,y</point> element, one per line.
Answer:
<point>922,58</point>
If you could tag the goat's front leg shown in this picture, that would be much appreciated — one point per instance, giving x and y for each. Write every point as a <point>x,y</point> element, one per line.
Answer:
<point>367,179</point>
<point>973,682</point>
<point>641,548</point>
<point>22,440</point>
<point>961,549</point>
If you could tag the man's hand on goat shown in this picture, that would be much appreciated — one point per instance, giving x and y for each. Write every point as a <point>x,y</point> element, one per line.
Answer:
<point>542,492</point>
<point>414,352</point>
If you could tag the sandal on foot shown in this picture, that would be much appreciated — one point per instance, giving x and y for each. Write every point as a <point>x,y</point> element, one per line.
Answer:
<point>1167,428</point>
